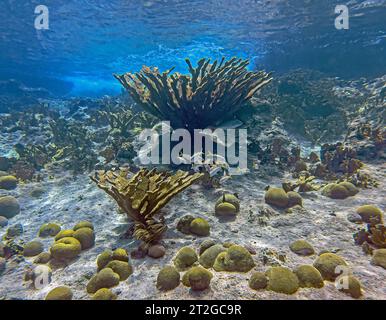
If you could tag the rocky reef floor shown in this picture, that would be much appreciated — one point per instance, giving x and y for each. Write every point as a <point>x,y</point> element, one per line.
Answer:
<point>268,232</point>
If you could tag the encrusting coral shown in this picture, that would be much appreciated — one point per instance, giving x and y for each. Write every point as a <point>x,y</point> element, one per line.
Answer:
<point>143,195</point>
<point>210,94</point>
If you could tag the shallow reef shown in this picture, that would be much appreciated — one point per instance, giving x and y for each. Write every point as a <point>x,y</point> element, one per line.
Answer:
<point>305,222</point>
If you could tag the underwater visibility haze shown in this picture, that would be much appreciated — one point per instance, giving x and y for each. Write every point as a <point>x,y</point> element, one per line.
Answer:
<point>203,149</point>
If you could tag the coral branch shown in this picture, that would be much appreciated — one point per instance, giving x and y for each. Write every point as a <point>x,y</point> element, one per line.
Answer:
<point>210,94</point>
<point>143,195</point>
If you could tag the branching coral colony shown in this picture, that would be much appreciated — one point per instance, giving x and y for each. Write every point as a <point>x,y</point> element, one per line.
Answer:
<point>143,195</point>
<point>211,94</point>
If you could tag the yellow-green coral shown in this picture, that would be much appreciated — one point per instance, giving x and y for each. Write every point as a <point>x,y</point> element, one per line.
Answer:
<point>121,255</point>
<point>379,258</point>
<point>200,227</point>
<point>209,256</point>
<point>197,278</point>
<point>104,294</point>
<point>60,293</point>
<point>282,280</point>
<point>64,234</point>
<point>8,182</point>
<point>49,230</point>
<point>105,278</point>
<point>168,279</point>
<point>86,237</point>
<point>309,277</point>
<point>235,259</point>
<point>211,91</point>
<point>258,281</point>
<point>276,197</point>
<point>83,224</point>
<point>142,195</point>
<point>33,248</point>
<point>302,248</point>
<point>327,264</point>
<point>351,285</point>
<point>66,249</point>
<point>123,269</point>
<point>370,214</point>
<point>185,258</point>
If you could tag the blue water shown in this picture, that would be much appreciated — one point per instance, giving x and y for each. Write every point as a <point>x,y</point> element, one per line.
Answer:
<point>89,40</point>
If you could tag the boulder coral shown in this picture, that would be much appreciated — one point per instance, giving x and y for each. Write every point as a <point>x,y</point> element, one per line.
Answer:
<point>197,278</point>
<point>86,237</point>
<point>49,230</point>
<point>309,277</point>
<point>282,280</point>
<point>200,227</point>
<point>258,281</point>
<point>208,257</point>
<point>277,197</point>
<point>9,206</point>
<point>227,205</point>
<point>185,258</point>
<point>8,182</point>
<point>105,278</point>
<point>66,249</point>
<point>60,293</point>
<point>329,264</point>
<point>235,259</point>
<point>370,214</point>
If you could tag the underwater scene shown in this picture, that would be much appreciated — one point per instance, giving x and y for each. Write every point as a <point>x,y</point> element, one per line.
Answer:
<point>192,150</point>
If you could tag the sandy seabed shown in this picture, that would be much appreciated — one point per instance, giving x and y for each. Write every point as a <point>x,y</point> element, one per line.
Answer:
<point>322,222</point>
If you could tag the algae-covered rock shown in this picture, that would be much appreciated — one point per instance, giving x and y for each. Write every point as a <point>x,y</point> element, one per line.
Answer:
<point>64,234</point>
<point>104,294</point>
<point>302,247</point>
<point>327,264</point>
<point>33,248</point>
<point>49,230</point>
<point>351,286</point>
<point>123,269</point>
<point>42,258</point>
<point>235,259</point>
<point>9,206</point>
<point>86,237</point>
<point>8,182</point>
<point>104,258</point>
<point>121,255</point>
<point>185,258</point>
<point>83,224</point>
<point>282,280</point>
<point>105,278</point>
<point>209,256</point>
<point>370,214</point>
<point>168,278</point>
<point>60,293</point>
<point>379,258</point>
<point>206,244</point>
<point>276,197</point>
<point>258,281</point>
<point>198,278</point>
<point>309,277</point>
<point>66,249</point>
<point>156,251</point>
<point>294,199</point>
<point>200,227</point>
